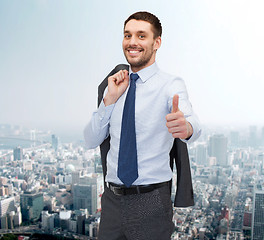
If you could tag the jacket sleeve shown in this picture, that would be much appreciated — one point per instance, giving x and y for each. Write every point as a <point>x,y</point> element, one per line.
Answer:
<point>97,129</point>
<point>184,193</point>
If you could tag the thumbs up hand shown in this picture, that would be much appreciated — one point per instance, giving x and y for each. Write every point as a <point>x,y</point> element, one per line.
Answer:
<point>177,125</point>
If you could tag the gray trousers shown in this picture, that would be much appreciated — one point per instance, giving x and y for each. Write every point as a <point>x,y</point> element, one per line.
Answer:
<point>145,216</point>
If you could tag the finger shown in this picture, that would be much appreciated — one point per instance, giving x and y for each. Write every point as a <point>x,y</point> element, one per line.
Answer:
<point>181,135</point>
<point>174,116</point>
<point>172,124</point>
<point>119,77</point>
<point>175,103</point>
<point>122,74</point>
<point>176,123</point>
<point>126,75</point>
<point>174,129</point>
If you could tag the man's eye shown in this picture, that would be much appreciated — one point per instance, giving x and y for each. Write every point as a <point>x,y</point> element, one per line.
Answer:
<point>141,36</point>
<point>127,36</point>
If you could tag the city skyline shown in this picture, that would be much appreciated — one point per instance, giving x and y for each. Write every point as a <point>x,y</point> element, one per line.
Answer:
<point>53,56</point>
<point>62,183</point>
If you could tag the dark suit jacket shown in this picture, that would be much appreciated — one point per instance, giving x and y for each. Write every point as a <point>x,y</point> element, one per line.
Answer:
<point>179,154</point>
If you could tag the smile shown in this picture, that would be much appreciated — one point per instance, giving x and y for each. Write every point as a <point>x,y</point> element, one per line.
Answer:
<point>134,52</point>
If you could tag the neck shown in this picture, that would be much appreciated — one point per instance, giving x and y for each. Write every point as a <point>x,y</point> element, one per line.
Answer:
<point>136,69</point>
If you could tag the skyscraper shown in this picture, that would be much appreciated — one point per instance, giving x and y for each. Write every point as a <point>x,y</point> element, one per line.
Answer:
<point>87,194</point>
<point>201,154</point>
<point>234,139</point>
<point>84,197</point>
<point>18,153</point>
<point>7,205</point>
<point>218,148</point>
<point>262,137</point>
<point>54,142</point>
<point>32,204</point>
<point>253,141</point>
<point>258,213</point>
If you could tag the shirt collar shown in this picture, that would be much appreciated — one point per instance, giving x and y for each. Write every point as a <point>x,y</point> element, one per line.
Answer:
<point>147,72</point>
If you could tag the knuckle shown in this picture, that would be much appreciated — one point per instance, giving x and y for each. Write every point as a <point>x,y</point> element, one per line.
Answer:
<point>182,122</point>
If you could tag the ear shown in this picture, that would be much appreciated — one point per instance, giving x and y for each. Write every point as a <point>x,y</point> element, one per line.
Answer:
<point>157,43</point>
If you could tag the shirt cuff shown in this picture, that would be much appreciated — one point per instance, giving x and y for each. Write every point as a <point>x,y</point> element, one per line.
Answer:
<point>196,130</point>
<point>105,112</point>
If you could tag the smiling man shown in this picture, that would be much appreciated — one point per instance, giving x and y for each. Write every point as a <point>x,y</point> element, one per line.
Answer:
<point>143,111</point>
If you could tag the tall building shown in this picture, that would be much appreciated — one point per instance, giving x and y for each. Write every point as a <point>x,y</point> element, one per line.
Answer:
<point>18,153</point>
<point>65,217</point>
<point>201,154</point>
<point>87,193</point>
<point>218,148</point>
<point>7,205</point>
<point>76,176</point>
<point>234,139</point>
<point>81,216</point>
<point>54,142</point>
<point>32,204</point>
<point>84,197</point>
<point>3,191</point>
<point>257,232</point>
<point>253,140</point>
<point>47,221</point>
<point>262,137</point>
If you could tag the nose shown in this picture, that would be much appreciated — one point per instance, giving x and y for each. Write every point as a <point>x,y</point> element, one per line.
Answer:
<point>133,40</point>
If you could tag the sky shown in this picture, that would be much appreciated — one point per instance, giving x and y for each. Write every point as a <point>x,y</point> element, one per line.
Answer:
<point>53,55</point>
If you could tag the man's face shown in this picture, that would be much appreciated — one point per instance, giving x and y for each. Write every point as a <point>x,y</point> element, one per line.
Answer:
<point>139,45</point>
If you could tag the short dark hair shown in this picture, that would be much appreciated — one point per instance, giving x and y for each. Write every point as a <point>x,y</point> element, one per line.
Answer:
<point>148,17</point>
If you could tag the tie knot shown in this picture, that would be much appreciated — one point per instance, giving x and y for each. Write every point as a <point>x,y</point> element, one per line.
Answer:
<point>134,76</point>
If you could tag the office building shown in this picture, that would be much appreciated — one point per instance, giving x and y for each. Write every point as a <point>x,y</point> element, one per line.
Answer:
<point>257,232</point>
<point>262,137</point>
<point>54,142</point>
<point>76,176</point>
<point>201,155</point>
<point>65,217</point>
<point>32,204</point>
<point>7,205</point>
<point>47,221</point>
<point>234,139</point>
<point>84,197</point>
<point>18,153</point>
<point>253,140</point>
<point>218,148</point>
<point>87,194</point>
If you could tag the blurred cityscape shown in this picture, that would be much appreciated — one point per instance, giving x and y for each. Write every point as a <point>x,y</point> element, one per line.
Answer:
<point>53,187</point>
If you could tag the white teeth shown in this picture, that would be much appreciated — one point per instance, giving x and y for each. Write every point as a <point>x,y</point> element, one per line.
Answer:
<point>133,51</point>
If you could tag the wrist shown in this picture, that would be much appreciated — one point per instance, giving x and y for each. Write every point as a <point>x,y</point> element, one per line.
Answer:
<point>189,131</point>
<point>109,100</point>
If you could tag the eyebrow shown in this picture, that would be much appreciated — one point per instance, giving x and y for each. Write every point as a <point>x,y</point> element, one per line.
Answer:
<point>141,31</point>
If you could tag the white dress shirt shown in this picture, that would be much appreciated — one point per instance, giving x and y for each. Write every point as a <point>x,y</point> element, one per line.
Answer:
<point>154,93</point>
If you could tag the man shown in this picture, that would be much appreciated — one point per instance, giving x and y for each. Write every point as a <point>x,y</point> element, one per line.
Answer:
<point>143,110</point>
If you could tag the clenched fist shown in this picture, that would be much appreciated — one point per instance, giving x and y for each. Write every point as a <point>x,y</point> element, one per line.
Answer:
<point>117,85</point>
<point>177,125</point>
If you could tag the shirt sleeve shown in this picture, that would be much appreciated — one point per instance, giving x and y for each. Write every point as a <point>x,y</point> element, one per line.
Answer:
<point>97,130</point>
<point>186,107</point>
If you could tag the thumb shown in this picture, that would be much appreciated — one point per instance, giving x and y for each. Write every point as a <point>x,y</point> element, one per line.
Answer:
<point>175,103</point>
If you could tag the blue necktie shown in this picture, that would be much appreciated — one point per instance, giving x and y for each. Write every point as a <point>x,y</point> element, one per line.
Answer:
<point>127,160</point>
